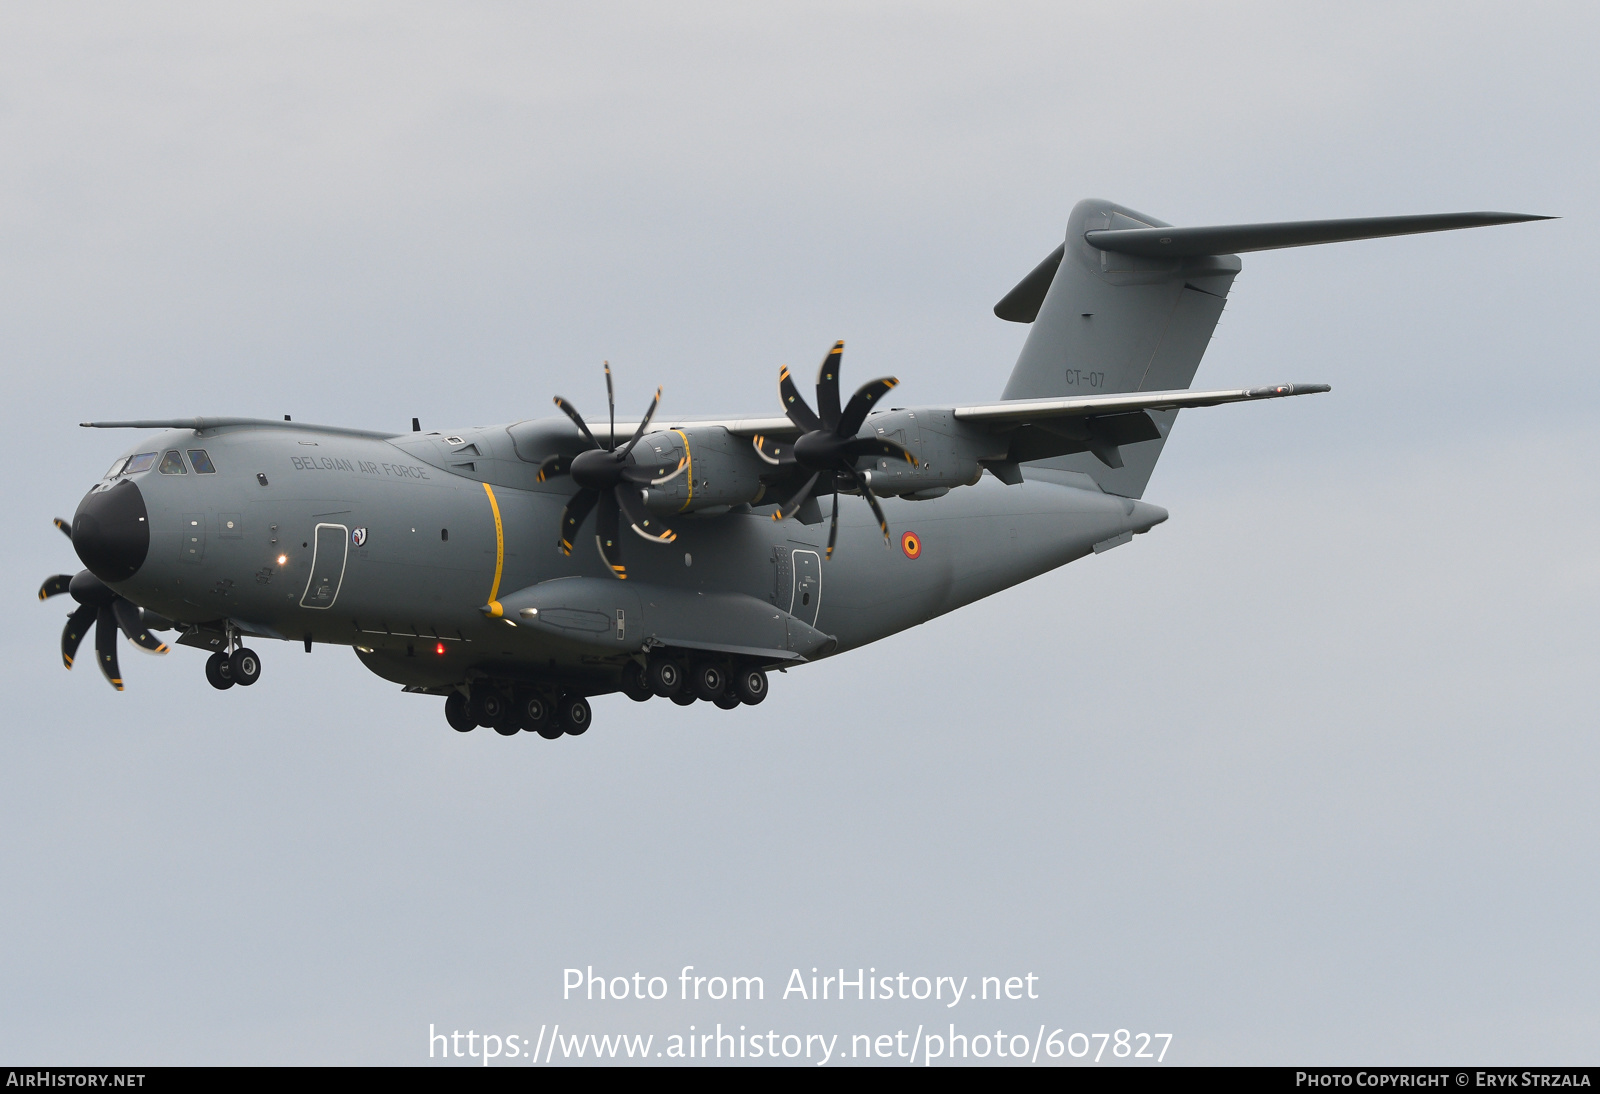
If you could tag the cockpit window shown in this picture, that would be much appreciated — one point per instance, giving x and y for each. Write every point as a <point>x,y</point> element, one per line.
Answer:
<point>116,467</point>
<point>144,461</point>
<point>172,464</point>
<point>202,462</point>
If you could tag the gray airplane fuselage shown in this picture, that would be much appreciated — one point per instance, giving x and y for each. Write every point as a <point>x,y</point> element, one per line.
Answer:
<point>413,552</point>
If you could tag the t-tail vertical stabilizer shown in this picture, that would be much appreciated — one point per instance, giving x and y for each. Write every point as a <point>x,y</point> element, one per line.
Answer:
<point>1128,303</point>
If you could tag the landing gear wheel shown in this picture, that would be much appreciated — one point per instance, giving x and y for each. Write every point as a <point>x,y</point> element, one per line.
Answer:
<point>750,685</point>
<point>488,706</point>
<point>708,682</point>
<point>533,711</point>
<point>508,724</point>
<point>245,665</point>
<point>685,699</point>
<point>219,672</point>
<point>664,678</point>
<point>457,714</point>
<point>727,702</point>
<point>574,714</point>
<point>550,730</point>
<point>633,682</point>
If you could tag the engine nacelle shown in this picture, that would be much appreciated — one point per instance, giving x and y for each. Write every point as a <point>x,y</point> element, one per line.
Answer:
<point>947,451</point>
<point>719,470</point>
<point>722,470</point>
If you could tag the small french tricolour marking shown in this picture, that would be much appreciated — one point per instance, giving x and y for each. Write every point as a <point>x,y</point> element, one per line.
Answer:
<point>358,537</point>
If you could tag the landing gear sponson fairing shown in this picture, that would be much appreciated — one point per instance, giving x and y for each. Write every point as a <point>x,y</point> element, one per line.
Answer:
<point>519,569</point>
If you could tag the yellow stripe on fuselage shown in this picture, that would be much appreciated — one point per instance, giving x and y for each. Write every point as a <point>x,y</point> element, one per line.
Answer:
<point>499,553</point>
<point>688,470</point>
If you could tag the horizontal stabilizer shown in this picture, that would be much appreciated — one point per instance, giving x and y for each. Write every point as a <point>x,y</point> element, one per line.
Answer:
<point>1224,239</point>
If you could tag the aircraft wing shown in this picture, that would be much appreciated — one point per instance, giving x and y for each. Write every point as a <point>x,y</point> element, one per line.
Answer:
<point>1005,434</point>
<point>1022,411</point>
<point>1040,429</point>
<point>1017,412</point>
<point>739,427</point>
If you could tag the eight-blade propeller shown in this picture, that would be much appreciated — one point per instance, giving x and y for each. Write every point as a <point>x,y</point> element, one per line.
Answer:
<point>611,483</point>
<point>102,606</point>
<point>828,446</point>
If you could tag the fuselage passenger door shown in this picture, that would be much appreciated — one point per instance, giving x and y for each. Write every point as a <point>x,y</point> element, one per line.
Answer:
<point>327,566</point>
<point>807,586</point>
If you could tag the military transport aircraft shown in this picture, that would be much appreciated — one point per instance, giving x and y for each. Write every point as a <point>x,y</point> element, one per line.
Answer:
<point>518,569</point>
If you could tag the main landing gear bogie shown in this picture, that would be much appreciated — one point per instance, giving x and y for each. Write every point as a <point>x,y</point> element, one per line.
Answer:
<point>552,714</point>
<point>526,710</point>
<point>715,682</point>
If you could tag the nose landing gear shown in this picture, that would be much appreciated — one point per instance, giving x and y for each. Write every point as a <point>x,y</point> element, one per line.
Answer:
<point>245,666</point>
<point>242,666</point>
<point>219,671</point>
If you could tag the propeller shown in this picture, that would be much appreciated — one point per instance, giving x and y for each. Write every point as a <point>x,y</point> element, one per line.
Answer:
<point>828,446</point>
<point>611,484</point>
<point>108,611</point>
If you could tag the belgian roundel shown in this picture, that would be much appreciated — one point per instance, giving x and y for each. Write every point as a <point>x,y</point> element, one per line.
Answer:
<point>911,544</point>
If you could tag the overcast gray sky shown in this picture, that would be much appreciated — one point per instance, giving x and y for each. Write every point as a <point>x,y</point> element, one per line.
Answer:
<point>1306,775</point>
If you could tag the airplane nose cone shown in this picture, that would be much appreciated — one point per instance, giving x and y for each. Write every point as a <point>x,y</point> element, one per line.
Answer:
<point>111,531</point>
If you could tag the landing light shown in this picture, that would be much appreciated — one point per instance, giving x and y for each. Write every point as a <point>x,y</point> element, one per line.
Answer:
<point>282,559</point>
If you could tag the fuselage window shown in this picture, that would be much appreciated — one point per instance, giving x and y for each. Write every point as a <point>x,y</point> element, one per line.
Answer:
<point>172,464</point>
<point>144,461</point>
<point>202,462</point>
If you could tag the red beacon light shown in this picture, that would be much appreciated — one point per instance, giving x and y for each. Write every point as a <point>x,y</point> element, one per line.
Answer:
<point>438,648</point>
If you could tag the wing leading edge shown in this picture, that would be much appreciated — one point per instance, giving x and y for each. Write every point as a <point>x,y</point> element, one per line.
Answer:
<point>1021,411</point>
<point>1041,429</point>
